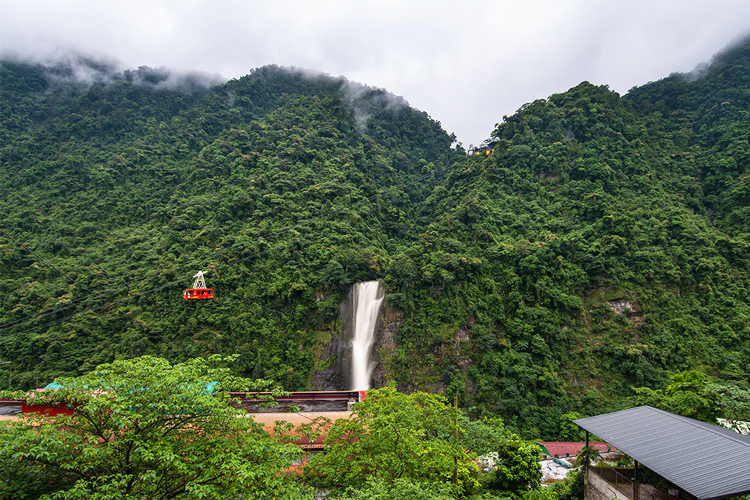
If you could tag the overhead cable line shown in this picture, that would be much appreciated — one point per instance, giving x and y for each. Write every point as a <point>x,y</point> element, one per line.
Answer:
<point>26,247</point>
<point>131,297</point>
<point>218,253</point>
<point>304,222</point>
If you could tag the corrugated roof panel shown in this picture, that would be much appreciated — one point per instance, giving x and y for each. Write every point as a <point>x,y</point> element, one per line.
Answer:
<point>705,460</point>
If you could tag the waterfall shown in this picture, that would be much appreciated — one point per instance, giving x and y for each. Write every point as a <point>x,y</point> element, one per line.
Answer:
<point>365,304</point>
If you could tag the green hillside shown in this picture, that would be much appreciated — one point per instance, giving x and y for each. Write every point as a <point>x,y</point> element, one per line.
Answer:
<point>580,258</point>
<point>603,243</point>
<point>265,182</point>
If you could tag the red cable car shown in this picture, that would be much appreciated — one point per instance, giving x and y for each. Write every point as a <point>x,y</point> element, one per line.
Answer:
<point>199,290</point>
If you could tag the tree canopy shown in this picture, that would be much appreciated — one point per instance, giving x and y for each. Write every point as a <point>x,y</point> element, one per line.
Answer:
<point>602,244</point>
<point>393,436</point>
<point>694,395</point>
<point>145,428</point>
<point>394,439</point>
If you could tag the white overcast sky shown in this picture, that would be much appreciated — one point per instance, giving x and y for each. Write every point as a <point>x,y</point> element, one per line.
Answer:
<point>466,63</point>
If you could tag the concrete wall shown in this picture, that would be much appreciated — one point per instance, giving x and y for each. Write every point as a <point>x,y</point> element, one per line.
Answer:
<point>597,488</point>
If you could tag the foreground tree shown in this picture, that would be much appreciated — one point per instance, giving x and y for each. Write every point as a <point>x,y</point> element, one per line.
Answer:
<point>735,406</point>
<point>690,394</point>
<point>401,489</point>
<point>516,469</point>
<point>144,428</point>
<point>417,447</point>
<point>391,438</point>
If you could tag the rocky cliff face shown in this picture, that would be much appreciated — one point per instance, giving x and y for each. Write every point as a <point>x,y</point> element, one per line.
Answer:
<point>331,378</point>
<point>385,345</point>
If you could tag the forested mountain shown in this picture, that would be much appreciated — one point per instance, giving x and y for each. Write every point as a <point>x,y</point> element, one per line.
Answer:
<point>116,194</point>
<point>601,244</point>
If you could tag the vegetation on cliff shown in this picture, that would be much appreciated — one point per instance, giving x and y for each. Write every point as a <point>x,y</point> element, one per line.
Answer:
<point>603,243</point>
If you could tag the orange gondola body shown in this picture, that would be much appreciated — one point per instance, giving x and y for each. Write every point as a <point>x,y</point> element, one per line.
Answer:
<point>199,290</point>
<point>198,293</point>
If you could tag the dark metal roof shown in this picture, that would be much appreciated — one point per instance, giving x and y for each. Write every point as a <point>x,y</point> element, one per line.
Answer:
<point>705,460</point>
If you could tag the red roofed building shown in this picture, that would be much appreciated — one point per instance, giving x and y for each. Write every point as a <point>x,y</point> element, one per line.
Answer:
<point>569,449</point>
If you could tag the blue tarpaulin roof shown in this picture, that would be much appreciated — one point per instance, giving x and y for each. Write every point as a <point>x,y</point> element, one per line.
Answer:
<point>210,387</point>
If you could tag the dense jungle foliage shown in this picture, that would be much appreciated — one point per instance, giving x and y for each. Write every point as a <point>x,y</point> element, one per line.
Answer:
<point>148,429</point>
<point>599,243</point>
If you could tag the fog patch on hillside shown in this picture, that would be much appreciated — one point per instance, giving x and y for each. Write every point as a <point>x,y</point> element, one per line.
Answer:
<point>366,101</point>
<point>363,100</point>
<point>165,78</point>
<point>71,69</point>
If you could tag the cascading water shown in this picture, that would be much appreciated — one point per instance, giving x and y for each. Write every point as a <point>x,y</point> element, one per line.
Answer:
<point>365,303</point>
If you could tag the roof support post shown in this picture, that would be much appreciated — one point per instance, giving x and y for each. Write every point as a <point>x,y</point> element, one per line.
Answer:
<point>635,481</point>
<point>586,461</point>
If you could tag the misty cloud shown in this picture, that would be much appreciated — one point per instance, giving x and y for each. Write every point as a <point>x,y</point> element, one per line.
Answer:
<point>362,99</point>
<point>365,101</point>
<point>467,64</point>
<point>76,70</point>
<point>164,78</point>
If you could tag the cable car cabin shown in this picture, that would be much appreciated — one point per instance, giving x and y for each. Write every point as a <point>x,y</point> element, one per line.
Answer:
<point>198,293</point>
<point>199,290</point>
